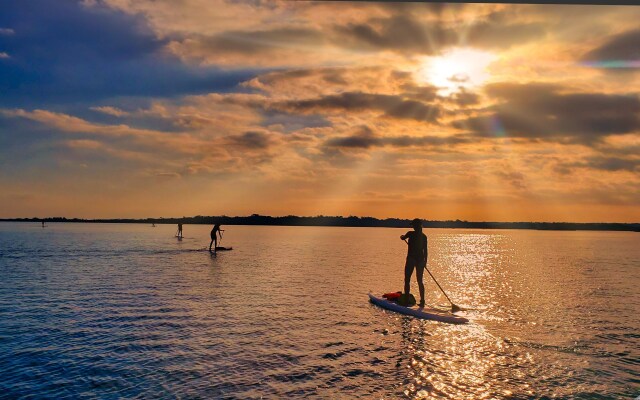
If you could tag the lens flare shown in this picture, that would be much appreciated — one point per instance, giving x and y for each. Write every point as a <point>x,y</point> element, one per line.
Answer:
<point>612,64</point>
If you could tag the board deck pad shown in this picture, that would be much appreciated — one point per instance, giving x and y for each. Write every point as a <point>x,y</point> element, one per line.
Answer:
<point>423,313</point>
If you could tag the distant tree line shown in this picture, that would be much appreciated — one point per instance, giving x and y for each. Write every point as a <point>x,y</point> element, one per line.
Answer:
<point>322,220</point>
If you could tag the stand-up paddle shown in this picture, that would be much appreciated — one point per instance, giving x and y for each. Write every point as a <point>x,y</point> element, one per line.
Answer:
<point>454,308</point>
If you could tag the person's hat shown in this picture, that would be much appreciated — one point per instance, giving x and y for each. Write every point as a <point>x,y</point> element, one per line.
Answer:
<point>416,222</point>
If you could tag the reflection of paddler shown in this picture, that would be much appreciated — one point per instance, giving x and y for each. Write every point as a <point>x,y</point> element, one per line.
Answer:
<point>215,232</point>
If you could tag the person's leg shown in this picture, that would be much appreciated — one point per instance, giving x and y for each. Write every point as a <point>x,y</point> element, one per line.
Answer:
<point>419,274</point>
<point>408,271</point>
<point>215,240</point>
<point>210,244</point>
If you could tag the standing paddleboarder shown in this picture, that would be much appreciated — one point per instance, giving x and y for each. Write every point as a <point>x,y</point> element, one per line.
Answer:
<point>179,230</point>
<point>416,257</point>
<point>214,238</point>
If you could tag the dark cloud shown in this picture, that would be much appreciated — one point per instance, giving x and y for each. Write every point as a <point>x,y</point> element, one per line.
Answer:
<point>422,8</point>
<point>251,42</point>
<point>65,52</point>
<point>407,141</point>
<point>614,163</point>
<point>514,178</point>
<point>602,162</point>
<point>401,33</point>
<point>541,111</point>
<point>607,163</point>
<point>252,140</point>
<point>421,93</point>
<point>293,122</point>
<point>330,75</point>
<point>464,98</point>
<point>497,31</point>
<point>407,33</point>
<point>363,139</point>
<point>395,106</point>
<point>366,138</point>
<point>621,47</point>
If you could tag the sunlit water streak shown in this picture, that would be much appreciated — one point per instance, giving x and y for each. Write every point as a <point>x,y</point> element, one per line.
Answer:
<point>128,311</point>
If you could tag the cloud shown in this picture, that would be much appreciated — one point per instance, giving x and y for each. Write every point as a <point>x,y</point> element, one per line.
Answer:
<point>220,48</point>
<point>395,106</point>
<point>252,140</point>
<point>6,32</point>
<point>70,53</point>
<point>464,98</point>
<point>624,46</point>
<point>604,163</point>
<point>114,111</point>
<point>514,178</point>
<point>148,139</point>
<point>407,33</point>
<point>614,163</point>
<point>85,144</point>
<point>167,175</point>
<point>498,30</point>
<point>187,152</point>
<point>363,139</point>
<point>366,138</point>
<point>553,112</point>
<point>399,33</point>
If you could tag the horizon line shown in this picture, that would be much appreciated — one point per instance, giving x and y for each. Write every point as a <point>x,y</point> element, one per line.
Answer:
<point>254,215</point>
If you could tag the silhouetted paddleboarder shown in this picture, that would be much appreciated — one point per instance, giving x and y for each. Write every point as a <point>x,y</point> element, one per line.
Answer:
<point>179,230</point>
<point>416,257</point>
<point>214,236</point>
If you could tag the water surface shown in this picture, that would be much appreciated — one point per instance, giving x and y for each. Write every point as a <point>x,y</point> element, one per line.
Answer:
<point>129,311</point>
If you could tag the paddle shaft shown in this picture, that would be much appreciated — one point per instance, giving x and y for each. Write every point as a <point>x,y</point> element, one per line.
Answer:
<point>434,279</point>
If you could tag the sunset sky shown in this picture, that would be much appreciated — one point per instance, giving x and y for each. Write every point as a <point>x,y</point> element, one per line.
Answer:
<point>483,112</point>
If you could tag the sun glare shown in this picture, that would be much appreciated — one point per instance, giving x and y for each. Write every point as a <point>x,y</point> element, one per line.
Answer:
<point>456,70</point>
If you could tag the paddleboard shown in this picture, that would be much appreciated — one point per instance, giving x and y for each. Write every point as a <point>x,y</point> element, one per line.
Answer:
<point>219,248</point>
<point>422,313</point>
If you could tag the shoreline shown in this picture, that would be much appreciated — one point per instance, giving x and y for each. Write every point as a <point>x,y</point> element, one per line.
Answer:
<point>362,222</point>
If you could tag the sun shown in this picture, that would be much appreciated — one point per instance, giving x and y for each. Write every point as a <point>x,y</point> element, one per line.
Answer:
<point>456,70</point>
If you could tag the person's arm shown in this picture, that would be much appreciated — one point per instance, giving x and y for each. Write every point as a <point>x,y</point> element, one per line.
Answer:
<point>405,236</point>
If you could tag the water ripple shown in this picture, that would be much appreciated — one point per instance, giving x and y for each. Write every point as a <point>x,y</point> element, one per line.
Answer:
<point>124,311</point>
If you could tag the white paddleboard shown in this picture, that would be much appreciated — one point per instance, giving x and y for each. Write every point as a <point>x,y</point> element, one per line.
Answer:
<point>415,311</point>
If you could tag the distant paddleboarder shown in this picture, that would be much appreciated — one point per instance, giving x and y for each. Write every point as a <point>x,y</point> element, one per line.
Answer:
<point>416,257</point>
<point>179,230</point>
<point>215,232</point>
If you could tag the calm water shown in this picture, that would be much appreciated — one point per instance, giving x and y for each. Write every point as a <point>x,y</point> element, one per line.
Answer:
<point>128,311</point>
